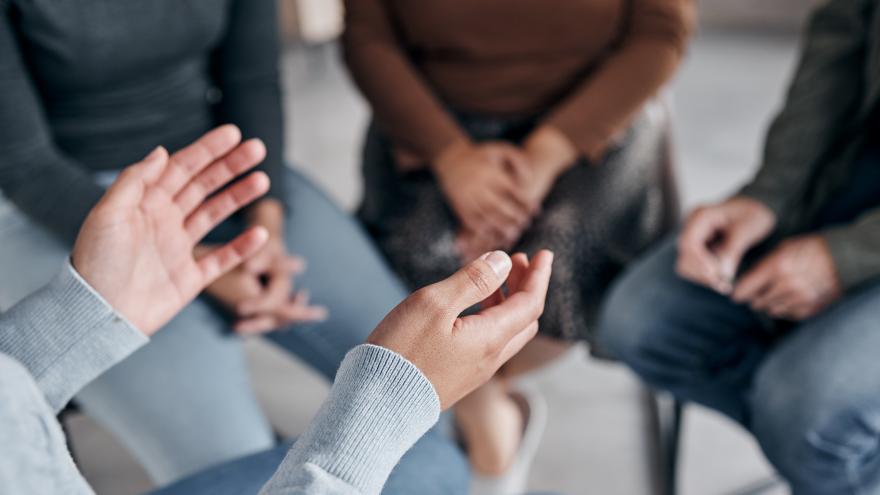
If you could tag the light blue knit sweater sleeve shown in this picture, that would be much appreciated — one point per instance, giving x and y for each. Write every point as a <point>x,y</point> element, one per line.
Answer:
<point>66,335</point>
<point>379,406</point>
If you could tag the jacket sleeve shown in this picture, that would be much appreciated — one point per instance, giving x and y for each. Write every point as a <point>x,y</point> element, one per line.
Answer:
<point>66,335</point>
<point>403,103</point>
<point>36,176</point>
<point>379,406</point>
<point>605,102</point>
<point>822,101</point>
<point>245,68</point>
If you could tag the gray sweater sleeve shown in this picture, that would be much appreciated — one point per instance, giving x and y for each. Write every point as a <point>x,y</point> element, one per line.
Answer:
<point>34,174</point>
<point>66,335</point>
<point>379,406</point>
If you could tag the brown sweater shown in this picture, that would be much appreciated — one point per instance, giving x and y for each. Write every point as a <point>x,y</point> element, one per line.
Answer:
<point>586,65</point>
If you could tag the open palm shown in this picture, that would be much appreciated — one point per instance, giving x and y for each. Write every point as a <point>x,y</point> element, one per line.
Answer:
<point>136,246</point>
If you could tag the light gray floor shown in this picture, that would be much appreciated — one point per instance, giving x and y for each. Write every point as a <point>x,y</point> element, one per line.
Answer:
<point>723,99</point>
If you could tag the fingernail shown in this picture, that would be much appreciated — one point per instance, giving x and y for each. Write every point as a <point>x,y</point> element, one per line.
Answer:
<point>499,261</point>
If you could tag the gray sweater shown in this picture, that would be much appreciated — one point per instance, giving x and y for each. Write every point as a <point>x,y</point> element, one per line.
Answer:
<point>57,340</point>
<point>96,84</point>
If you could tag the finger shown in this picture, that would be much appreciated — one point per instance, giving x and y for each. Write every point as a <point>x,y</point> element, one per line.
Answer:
<point>697,264</point>
<point>518,341</point>
<point>276,293</point>
<point>130,187</point>
<point>222,205</point>
<point>256,325</point>
<point>513,212</point>
<point>694,249</point>
<point>774,296</point>
<point>731,251</point>
<point>243,158</point>
<point>474,282</point>
<point>521,308</point>
<point>518,165</point>
<point>755,282</point>
<point>189,161</point>
<point>262,262</point>
<point>518,273</point>
<point>300,311</point>
<point>223,259</point>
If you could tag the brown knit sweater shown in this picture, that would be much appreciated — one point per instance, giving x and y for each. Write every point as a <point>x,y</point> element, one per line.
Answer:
<point>587,65</point>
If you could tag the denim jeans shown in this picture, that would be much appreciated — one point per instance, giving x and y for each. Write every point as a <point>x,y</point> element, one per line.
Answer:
<point>245,476</point>
<point>810,393</point>
<point>184,402</point>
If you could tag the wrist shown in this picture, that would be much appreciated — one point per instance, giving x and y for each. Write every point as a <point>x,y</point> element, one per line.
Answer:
<point>449,155</point>
<point>551,152</point>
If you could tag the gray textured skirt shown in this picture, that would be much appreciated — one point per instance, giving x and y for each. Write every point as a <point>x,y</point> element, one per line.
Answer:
<point>596,219</point>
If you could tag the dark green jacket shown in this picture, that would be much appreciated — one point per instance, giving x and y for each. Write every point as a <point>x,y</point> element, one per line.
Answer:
<point>818,135</point>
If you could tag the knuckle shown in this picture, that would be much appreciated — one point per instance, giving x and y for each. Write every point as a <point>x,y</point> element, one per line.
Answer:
<point>479,278</point>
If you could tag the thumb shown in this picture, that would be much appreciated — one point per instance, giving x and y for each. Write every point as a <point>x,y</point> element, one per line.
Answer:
<point>475,281</point>
<point>731,251</point>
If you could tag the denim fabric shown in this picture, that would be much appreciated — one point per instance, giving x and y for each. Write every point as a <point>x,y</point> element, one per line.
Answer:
<point>184,402</point>
<point>246,476</point>
<point>807,391</point>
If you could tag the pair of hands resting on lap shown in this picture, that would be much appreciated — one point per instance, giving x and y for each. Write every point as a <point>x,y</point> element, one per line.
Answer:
<point>496,188</point>
<point>137,248</point>
<point>795,281</point>
<point>260,292</point>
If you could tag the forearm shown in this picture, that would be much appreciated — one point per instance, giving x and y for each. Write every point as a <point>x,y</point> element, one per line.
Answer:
<point>605,102</point>
<point>66,335</point>
<point>33,449</point>
<point>247,73</point>
<point>822,100</point>
<point>379,406</point>
<point>403,103</point>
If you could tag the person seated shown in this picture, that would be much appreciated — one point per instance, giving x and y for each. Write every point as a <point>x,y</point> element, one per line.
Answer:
<point>500,126</point>
<point>87,86</point>
<point>766,306</point>
<point>134,266</point>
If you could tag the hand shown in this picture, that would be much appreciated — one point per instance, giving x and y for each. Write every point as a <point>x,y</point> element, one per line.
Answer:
<point>458,354</point>
<point>794,282</point>
<point>136,246</point>
<point>245,294</point>
<point>262,292</point>
<point>481,185</point>
<point>715,238</point>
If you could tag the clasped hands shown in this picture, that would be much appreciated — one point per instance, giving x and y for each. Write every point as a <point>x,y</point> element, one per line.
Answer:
<point>795,281</point>
<point>137,249</point>
<point>496,189</point>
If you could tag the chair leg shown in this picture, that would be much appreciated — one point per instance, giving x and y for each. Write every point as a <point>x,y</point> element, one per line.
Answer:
<point>663,416</point>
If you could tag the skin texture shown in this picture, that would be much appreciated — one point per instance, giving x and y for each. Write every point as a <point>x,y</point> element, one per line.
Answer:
<point>713,243</point>
<point>458,354</point>
<point>781,286</point>
<point>261,292</point>
<point>716,237</point>
<point>136,247</point>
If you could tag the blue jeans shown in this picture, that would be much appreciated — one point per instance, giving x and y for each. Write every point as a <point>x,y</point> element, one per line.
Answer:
<point>810,395</point>
<point>246,476</point>
<point>184,402</point>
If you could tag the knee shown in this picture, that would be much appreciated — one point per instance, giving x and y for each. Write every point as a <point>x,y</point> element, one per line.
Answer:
<point>632,317</point>
<point>814,433</point>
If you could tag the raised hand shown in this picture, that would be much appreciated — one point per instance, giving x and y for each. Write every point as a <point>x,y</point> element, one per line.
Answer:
<point>459,353</point>
<point>716,237</point>
<point>136,248</point>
